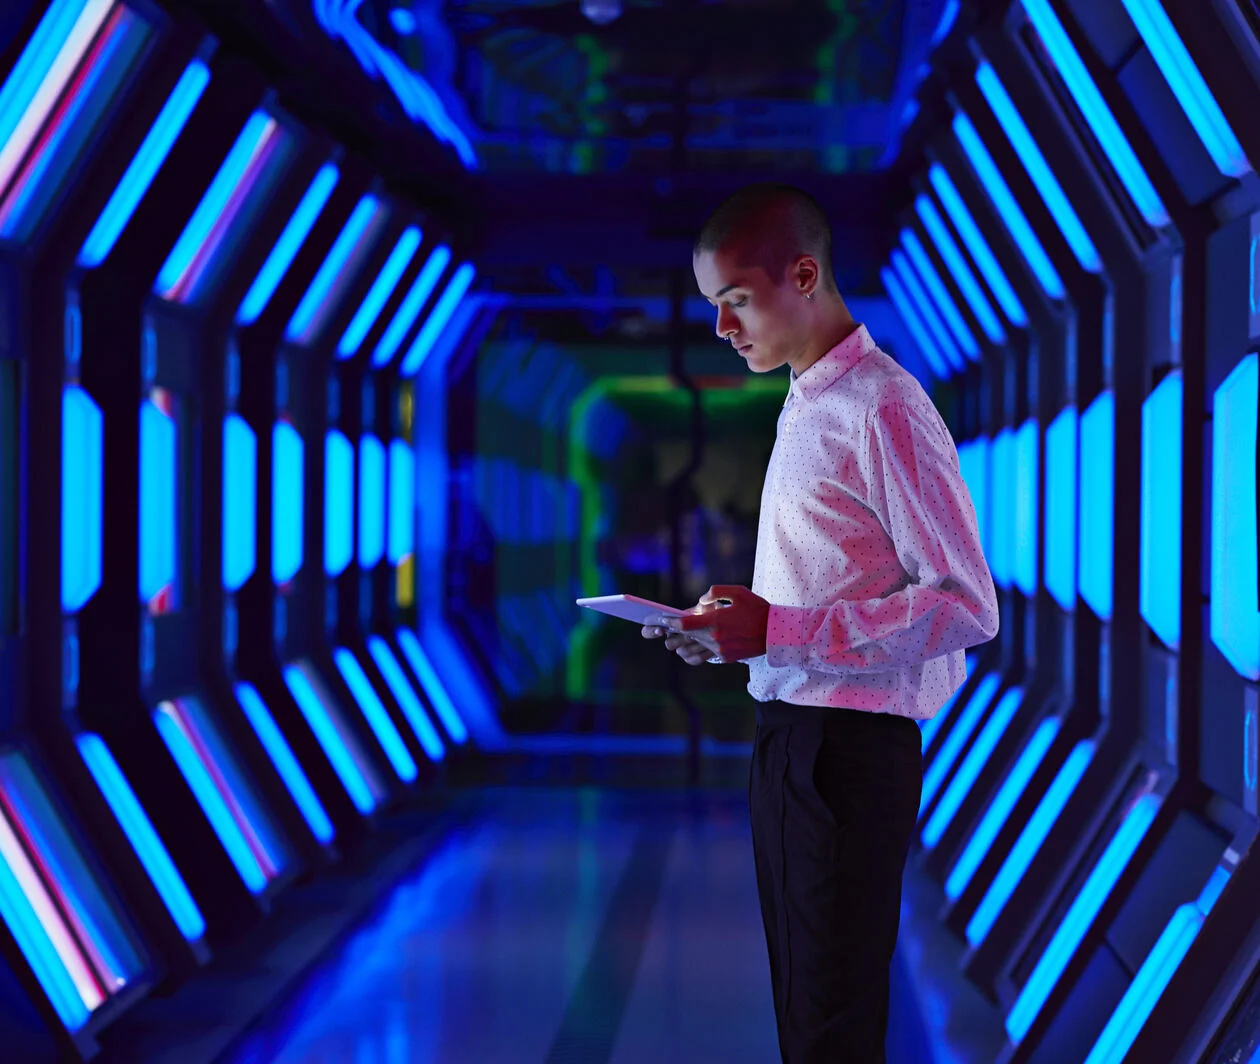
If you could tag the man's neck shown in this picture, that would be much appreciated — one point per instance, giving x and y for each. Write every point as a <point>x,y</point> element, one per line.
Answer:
<point>832,333</point>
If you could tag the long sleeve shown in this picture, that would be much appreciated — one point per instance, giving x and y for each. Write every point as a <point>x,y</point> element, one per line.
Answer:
<point>946,600</point>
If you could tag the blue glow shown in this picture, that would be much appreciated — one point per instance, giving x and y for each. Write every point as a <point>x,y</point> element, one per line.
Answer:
<point>438,319</point>
<point>338,503</point>
<point>1098,494</point>
<point>410,308</point>
<point>240,502</point>
<point>376,715</point>
<point>330,740</point>
<point>286,763</point>
<point>140,833</point>
<point>1029,842</point>
<point>1157,970</point>
<point>1161,509</point>
<point>144,167</point>
<point>158,500</point>
<point>973,764</point>
<point>932,725</point>
<point>911,318</point>
<point>433,687</point>
<point>214,203</point>
<point>999,811</point>
<point>371,501</point>
<point>958,737</point>
<point>336,267</point>
<point>402,501</point>
<point>944,343</point>
<point>288,501</point>
<point>1085,93</point>
<point>1080,917</point>
<point>287,247</point>
<point>958,268</point>
<point>1061,508</point>
<point>1008,207</point>
<point>949,16</point>
<point>378,295</point>
<point>973,463</point>
<point>404,21</point>
<point>1039,171</point>
<point>406,698</point>
<point>1188,86</point>
<point>1235,613</point>
<point>1002,506</point>
<point>82,497</point>
<point>1027,497</point>
<point>940,294</point>
<point>212,802</point>
<point>977,245</point>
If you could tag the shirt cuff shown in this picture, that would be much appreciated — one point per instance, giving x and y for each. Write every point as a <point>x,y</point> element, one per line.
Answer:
<point>785,636</point>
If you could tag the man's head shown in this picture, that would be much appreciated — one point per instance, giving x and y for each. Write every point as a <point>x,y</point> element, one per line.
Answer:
<point>764,260</point>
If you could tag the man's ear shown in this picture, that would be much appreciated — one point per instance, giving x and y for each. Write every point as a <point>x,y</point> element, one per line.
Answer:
<point>806,275</point>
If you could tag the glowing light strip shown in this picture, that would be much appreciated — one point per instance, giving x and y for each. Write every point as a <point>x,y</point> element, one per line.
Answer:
<point>158,500</point>
<point>958,738</point>
<point>329,736</point>
<point>240,502</point>
<point>406,698</point>
<point>412,304</point>
<point>287,247</point>
<point>82,498</point>
<point>1027,499</point>
<point>1085,94</point>
<point>1097,505</point>
<point>433,687</point>
<point>999,811</point>
<point>943,300</point>
<point>382,288</point>
<point>145,166</point>
<point>142,836</point>
<point>958,268</point>
<point>911,317</point>
<point>402,501</point>
<point>288,502</point>
<point>438,319</point>
<point>927,313</point>
<point>371,501</point>
<point>338,503</point>
<point>1160,594</point>
<point>376,714</point>
<point>1061,523</point>
<point>1008,207</point>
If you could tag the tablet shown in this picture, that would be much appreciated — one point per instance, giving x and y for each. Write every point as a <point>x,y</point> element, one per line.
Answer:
<point>641,611</point>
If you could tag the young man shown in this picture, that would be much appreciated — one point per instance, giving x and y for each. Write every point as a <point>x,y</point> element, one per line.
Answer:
<point>869,584</point>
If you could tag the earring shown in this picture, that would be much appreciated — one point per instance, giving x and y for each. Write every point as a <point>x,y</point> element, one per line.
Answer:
<point>809,295</point>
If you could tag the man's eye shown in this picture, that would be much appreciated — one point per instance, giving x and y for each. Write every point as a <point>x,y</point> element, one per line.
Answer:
<point>740,302</point>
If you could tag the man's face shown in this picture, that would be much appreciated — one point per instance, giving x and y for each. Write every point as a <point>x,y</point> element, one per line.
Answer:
<point>759,315</point>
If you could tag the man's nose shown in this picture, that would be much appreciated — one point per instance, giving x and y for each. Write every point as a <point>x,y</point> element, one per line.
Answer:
<point>727,323</point>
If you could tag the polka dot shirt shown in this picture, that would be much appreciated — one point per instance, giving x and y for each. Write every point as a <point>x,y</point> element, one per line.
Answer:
<point>867,549</point>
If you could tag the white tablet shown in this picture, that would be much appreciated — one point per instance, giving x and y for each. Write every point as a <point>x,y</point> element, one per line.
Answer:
<point>641,611</point>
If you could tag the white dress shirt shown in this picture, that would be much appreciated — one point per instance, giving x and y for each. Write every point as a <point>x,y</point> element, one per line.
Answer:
<point>867,547</point>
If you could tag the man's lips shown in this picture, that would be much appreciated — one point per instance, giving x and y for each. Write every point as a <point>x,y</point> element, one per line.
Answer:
<point>743,349</point>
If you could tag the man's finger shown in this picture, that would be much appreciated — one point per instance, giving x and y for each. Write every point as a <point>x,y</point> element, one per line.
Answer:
<point>722,591</point>
<point>691,622</point>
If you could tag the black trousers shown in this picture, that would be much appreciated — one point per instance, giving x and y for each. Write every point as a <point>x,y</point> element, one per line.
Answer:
<point>834,796</point>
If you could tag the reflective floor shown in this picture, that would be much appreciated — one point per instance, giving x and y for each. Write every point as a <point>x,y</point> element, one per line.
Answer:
<point>559,926</point>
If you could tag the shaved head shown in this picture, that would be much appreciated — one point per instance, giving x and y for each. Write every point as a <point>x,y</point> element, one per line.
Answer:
<point>773,225</point>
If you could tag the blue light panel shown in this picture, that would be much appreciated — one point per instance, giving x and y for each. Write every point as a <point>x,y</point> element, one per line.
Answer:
<point>287,765</point>
<point>1085,93</point>
<point>1008,208</point>
<point>433,686</point>
<point>943,342</point>
<point>376,715</point>
<point>1012,123</point>
<point>958,738</point>
<point>337,269</point>
<point>1080,917</point>
<point>1002,496</point>
<point>911,318</point>
<point>949,16</point>
<point>1161,509</point>
<point>958,268</point>
<point>409,310</point>
<point>144,167</point>
<point>338,503</point>
<point>402,501</point>
<point>932,725</point>
<point>940,294</point>
<point>1029,842</point>
<point>288,501</point>
<point>972,765</point>
<point>977,245</point>
<point>999,811</point>
<point>1253,268</point>
<point>330,739</point>
<point>438,319</point>
<point>1188,86</point>
<point>158,500</point>
<point>240,502</point>
<point>1027,497</point>
<point>1061,508</point>
<point>1098,493</point>
<point>287,247</point>
<point>973,462</point>
<point>142,836</point>
<point>1235,613</point>
<point>371,501</point>
<point>82,497</point>
<point>378,295</point>
<point>406,698</point>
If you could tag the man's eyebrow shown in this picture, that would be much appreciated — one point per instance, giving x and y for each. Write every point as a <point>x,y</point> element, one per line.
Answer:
<point>722,291</point>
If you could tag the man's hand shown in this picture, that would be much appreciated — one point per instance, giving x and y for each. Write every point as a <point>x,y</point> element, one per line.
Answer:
<point>738,628</point>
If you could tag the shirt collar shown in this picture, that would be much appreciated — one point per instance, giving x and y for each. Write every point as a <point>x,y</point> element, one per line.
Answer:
<point>833,365</point>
